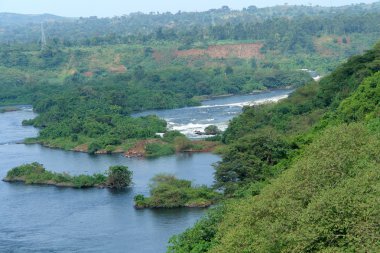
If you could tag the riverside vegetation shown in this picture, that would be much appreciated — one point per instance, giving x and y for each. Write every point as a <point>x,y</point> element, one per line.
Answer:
<point>168,192</point>
<point>98,81</point>
<point>117,177</point>
<point>302,175</point>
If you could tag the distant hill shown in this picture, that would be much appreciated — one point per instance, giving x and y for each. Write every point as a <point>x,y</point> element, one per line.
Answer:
<point>8,19</point>
<point>25,28</point>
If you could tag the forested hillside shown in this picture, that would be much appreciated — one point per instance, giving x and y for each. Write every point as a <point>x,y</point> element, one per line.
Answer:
<point>302,175</point>
<point>222,23</point>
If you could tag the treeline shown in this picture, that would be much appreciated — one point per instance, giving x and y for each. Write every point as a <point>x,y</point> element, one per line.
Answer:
<point>287,28</point>
<point>97,112</point>
<point>302,174</point>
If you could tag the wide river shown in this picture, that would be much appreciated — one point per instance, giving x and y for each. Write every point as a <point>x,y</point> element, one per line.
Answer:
<point>50,219</point>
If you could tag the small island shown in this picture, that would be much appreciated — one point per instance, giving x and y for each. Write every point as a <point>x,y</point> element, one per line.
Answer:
<point>117,177</point>
<point>170,143</point>
<point>9,109</point>
<point>167,191</point>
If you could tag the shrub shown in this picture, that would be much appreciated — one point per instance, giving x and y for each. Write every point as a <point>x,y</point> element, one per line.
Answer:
<point>167,191</point>
<point>171,135</point>
<point>119,177</point>
<point>212,130</point>
<point>159,149</point>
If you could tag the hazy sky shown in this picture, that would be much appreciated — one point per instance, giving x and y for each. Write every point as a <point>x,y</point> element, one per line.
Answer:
<point>102,8</point>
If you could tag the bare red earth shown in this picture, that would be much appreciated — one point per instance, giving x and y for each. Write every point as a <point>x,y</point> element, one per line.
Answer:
<point>242,51</point>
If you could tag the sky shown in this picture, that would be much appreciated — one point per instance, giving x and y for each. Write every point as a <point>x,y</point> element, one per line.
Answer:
<point>110,8</point>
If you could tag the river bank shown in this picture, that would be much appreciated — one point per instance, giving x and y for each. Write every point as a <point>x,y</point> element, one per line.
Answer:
<point>112,222</point>
<point>37,218</point>
<point>136,148</point>
<point>190,121</point>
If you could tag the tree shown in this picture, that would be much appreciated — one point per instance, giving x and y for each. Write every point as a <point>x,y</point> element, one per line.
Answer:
<point>250,160</point>
<point>119,177</point>
<point>212,130</point>
<point>229,70</point>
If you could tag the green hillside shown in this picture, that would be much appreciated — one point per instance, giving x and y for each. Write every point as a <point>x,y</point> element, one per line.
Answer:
<point>313,188</point>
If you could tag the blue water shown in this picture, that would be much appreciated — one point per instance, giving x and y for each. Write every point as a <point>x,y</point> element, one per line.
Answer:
<point>217,112</point>
<point>50,219</point>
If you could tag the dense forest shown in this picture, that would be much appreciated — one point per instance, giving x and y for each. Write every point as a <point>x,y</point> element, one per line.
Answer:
<point>301,175</point>
<point>222,23</point>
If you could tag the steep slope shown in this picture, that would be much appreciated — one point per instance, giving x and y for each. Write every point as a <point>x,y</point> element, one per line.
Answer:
<point>327,201</point>
<point>323,194</point>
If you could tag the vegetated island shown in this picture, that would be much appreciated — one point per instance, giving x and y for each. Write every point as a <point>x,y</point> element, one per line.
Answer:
<point>170,143</point>
<point>167,191</point>
<point>9,109</point>
<point>117,177</point>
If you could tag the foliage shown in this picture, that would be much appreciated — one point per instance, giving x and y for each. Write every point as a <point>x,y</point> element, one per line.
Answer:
<point>322,195</point>
<point>286,28</point>
<point>182,143</point>
<point>157,149</point>
<point>201,236</point>
<point>98,81</point>
<point>168,192</point>
<point>170,136</point>
<point>306,106</point>
<point>212,130</point>
<point>325,201</point>
<point>117,177</point>
<point>250,160</point>
<point>364,104</point>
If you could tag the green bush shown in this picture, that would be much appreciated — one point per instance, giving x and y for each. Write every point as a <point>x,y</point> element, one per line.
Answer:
<point>171,135</point>
<point>168,192</point>
<point>364,104</point>
<point>212,130</point>
<point>119,177</point>
<point>325,202</point>
<point>159,149</point>
<point>182,143</point>
<point>250,160</point>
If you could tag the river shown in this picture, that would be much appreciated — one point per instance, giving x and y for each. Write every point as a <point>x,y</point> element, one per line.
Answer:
<point>50,219</point>
<point>212,112</point>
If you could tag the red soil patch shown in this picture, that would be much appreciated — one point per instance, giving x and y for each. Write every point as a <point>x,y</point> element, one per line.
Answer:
<point>139,149</point>
<point>157,56</point>
<point>81,148</point>
<point>118,69</point>
<point>242,51</point>
<point>88,74</point>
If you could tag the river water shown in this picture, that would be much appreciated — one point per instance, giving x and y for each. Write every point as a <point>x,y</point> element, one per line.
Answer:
<point>50,219</point>
<point>212,112</point>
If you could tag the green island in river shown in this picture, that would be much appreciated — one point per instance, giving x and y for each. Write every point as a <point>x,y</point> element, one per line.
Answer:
<point>115,177</point>
<point>169,192</point>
